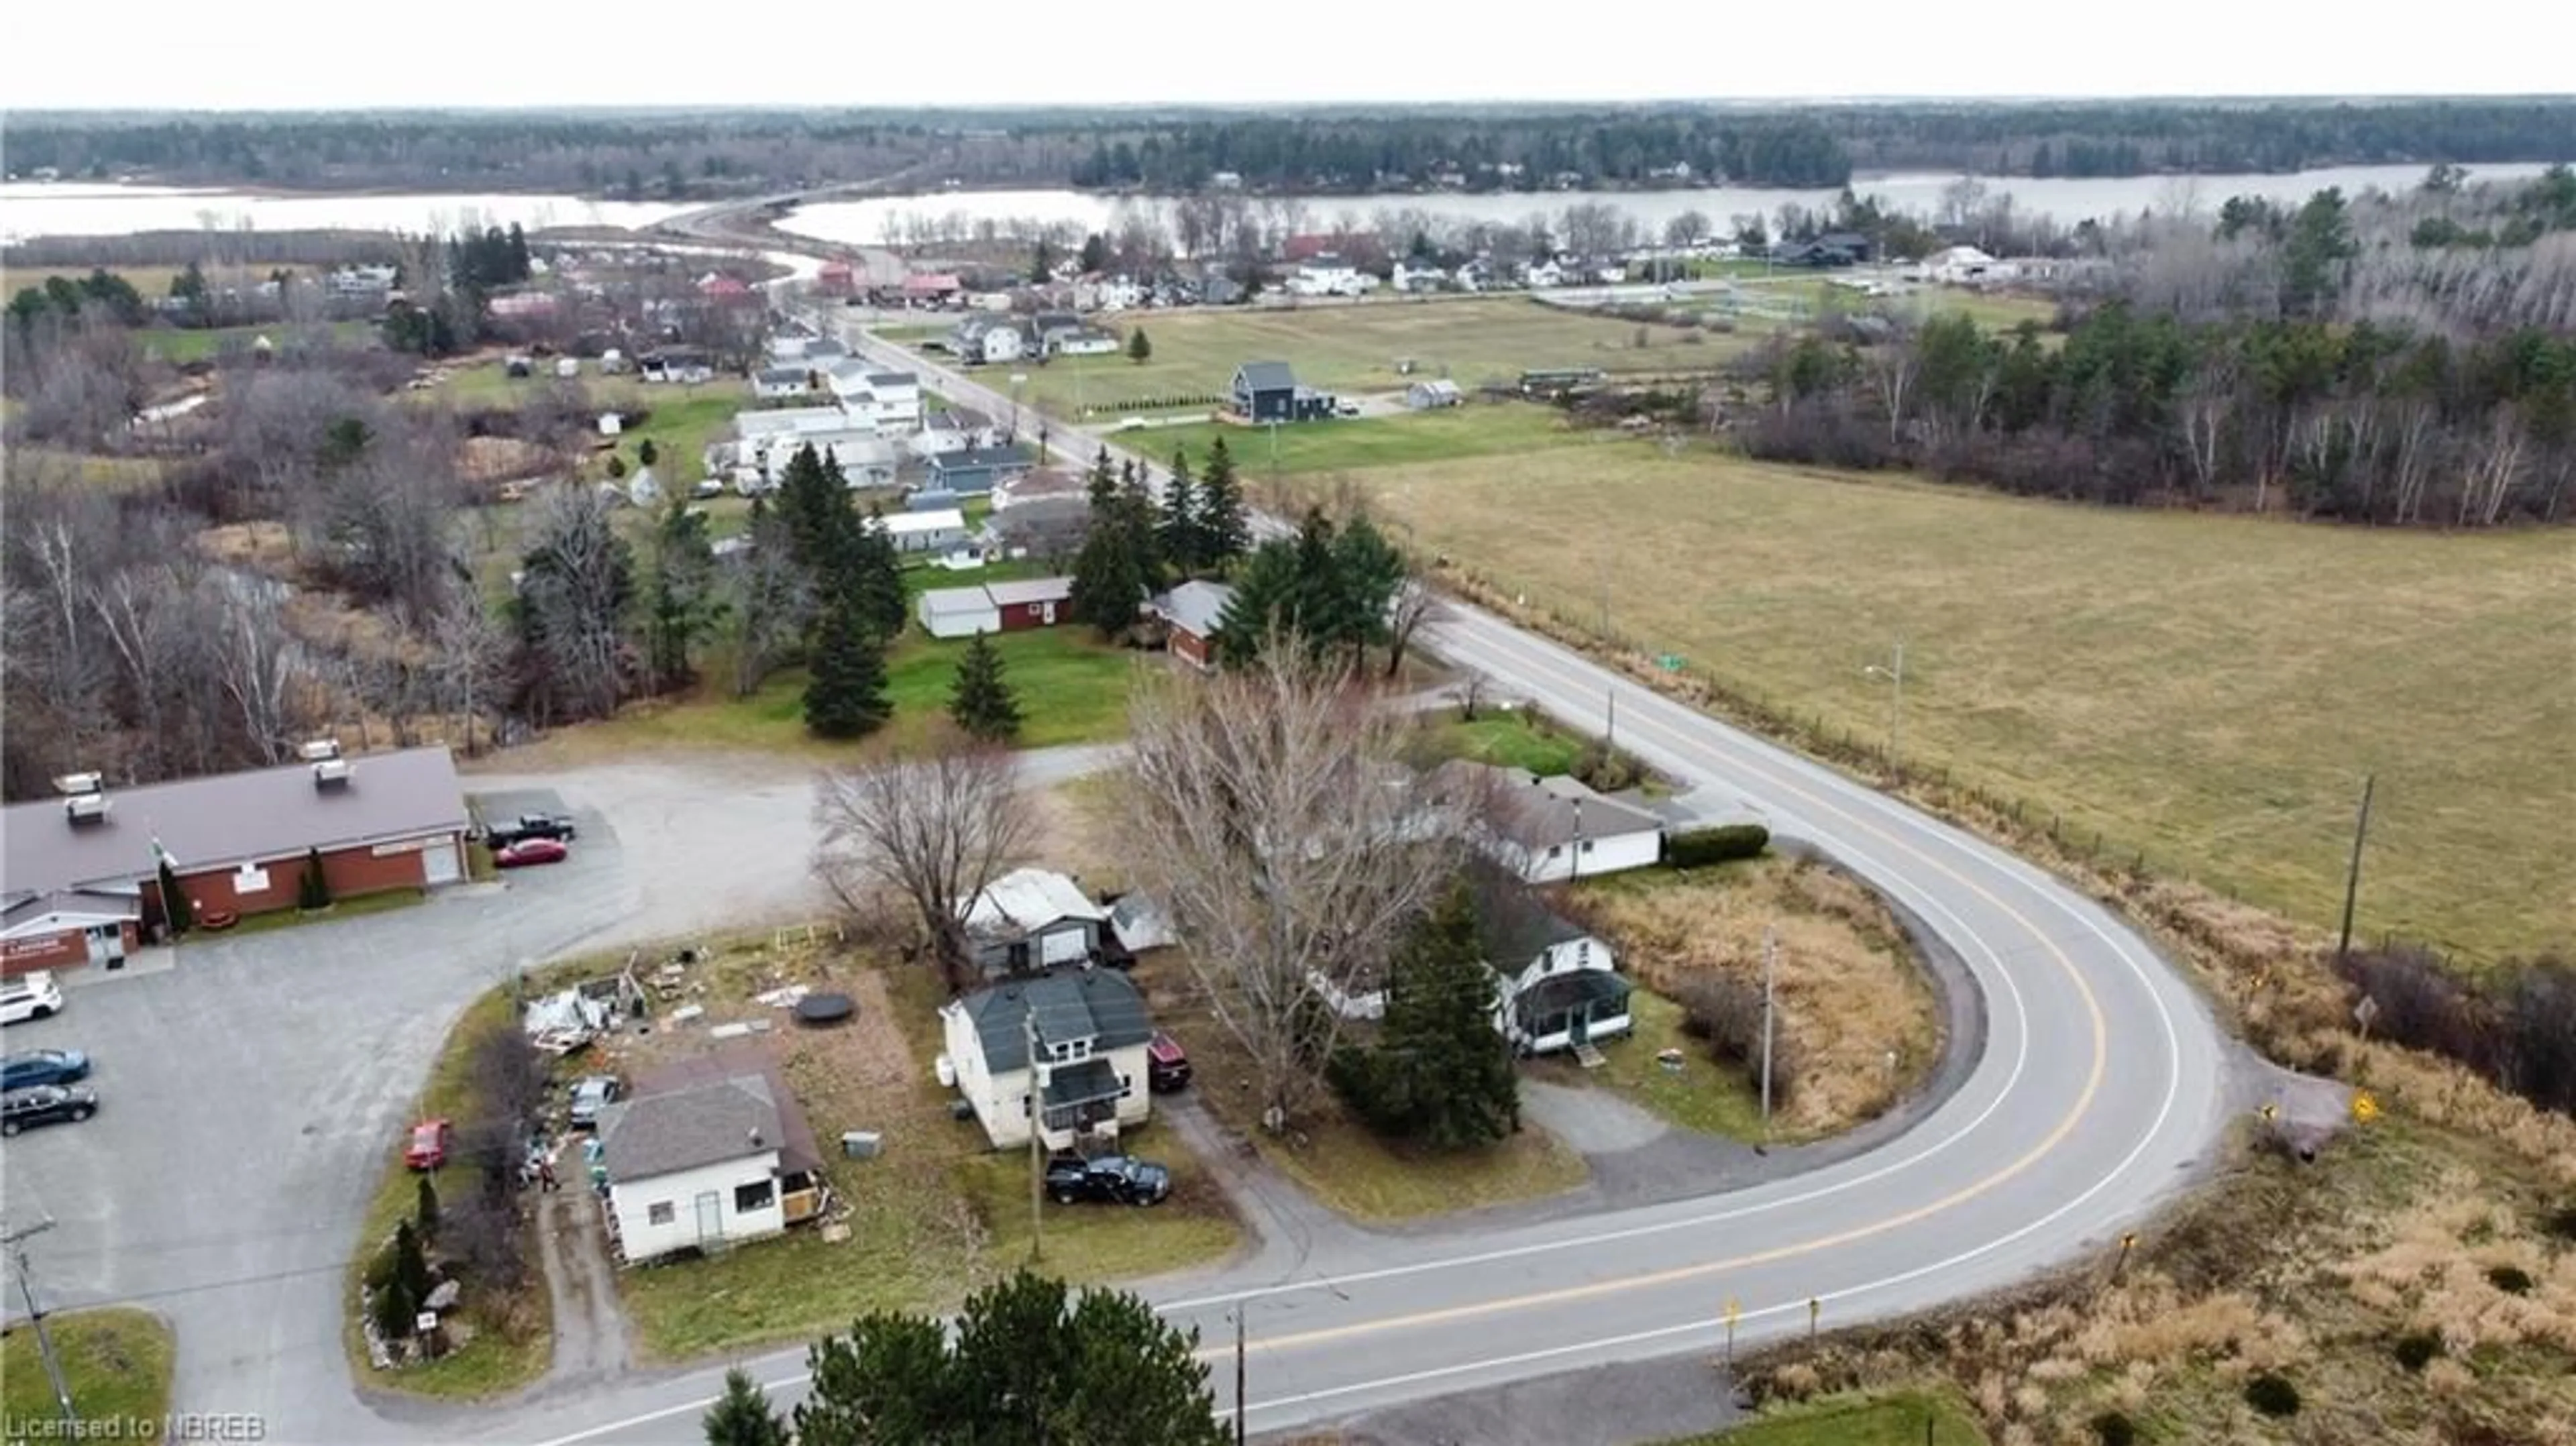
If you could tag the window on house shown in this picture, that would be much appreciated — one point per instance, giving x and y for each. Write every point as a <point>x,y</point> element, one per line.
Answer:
<point>1126,1088</point>
<point>1555,850</point>
<point>1582,951</point>
<point>660,1212</point>
<point>1587,846</point>
<point>759,1195</point>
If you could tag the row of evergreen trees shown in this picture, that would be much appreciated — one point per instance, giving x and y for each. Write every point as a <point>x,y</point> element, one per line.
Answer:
<point>1137,545</point>
<point>860,609</point>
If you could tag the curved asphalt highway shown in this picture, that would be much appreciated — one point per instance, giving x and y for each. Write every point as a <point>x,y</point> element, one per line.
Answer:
<point>2101,1084</point>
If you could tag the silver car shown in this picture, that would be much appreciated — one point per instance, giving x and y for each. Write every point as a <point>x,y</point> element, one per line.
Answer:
<point>590,1095</point>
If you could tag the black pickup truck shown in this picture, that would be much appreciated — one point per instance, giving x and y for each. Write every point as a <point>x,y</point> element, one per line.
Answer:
<point>500,833</point>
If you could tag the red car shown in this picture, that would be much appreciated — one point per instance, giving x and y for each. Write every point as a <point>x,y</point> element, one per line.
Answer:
<point>530,851</point>
<point>428,1147</point>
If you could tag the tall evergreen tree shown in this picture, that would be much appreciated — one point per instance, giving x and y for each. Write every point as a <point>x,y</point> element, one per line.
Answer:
<point>981,701</point>
<point>1134,510</point>
<point>846,695</point>
<point>683,606</point>
<point>1225,532</point>
<point>1439,1074</point>
<point>815,505</point>
<point>1103,483</point>
<point>1178,531</point>
<point>872,571</point>
<point>1109,581</point>
<point>742,1416</point>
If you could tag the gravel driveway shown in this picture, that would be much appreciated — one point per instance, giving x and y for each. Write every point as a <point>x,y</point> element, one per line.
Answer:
<point>249,1093</point>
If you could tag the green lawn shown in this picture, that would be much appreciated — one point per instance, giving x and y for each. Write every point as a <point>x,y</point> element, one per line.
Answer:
<point>2207,690</point>
<point>1072,689</point>
<point>1855,1420</point>
<point>513,1340</point>
<point>199,344</point>
<point>1348,443</point>
<point>116,1366</point>
<point>1519,739</point>
<point>382,901</point>
<point>1699,1095</point>
<point>1357,350</point>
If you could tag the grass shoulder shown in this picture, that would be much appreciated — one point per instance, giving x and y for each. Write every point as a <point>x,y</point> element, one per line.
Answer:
<point>1860,1419</point>
<point>1858,1027</point>
<point>116,1363</point>
<point>504,1340</point>
<point>935,1215</point>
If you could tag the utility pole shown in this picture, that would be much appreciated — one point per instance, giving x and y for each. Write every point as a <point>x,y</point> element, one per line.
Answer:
<point>1238,1373</point>
<point>1037,1120</point>
<point>2352,877</point>
<point>44,1338</point>
<point>1770,956</point>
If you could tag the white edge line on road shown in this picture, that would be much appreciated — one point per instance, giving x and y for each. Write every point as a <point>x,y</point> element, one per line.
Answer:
<point>2048,888</point>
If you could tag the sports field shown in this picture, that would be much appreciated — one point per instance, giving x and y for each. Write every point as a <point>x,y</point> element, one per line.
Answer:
<point>2209,690</point>
<point>1362,349</point>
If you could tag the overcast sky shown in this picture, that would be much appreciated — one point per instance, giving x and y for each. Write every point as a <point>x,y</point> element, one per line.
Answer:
<point>306,54</point>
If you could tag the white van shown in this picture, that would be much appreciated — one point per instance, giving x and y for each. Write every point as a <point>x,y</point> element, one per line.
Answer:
<point>30,996</point>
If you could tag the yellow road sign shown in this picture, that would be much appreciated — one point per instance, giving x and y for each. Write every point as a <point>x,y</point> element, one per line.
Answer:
<point>1734,1310</point>
<point>2364,1108</point>
<point>2271,1112</point>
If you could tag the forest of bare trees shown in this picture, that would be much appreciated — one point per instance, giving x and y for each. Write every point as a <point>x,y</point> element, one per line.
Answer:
<point>2397,360</point>
<point>1347,150</point>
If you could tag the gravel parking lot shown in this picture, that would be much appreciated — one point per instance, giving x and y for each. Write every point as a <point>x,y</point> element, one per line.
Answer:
<point>249,1094</point>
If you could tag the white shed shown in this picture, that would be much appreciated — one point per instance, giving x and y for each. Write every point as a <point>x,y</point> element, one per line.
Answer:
<point>611,424</point>
<point>959,612</point>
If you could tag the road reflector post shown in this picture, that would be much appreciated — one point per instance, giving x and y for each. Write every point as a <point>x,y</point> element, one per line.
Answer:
<point>1815,1313</point>
<point>1734,1313</point>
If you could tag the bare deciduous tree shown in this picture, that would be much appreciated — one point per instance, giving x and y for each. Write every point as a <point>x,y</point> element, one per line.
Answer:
<point>263,669</point>
<point>930,829</point>
<point>1270,811</point>
<point>469,658</point>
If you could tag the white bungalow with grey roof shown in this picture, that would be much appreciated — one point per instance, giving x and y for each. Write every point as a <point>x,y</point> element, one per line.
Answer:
<point>783,383</point>
<point>707,1153</point>
<point>1548,829</point>
<point>1090,1030</point>
<point>933,532</point>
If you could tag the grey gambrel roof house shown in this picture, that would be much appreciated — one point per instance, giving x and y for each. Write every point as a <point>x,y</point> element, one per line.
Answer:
<point>1099,1005</point>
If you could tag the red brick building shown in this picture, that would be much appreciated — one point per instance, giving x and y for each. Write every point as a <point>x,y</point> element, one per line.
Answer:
<point>83,870</point>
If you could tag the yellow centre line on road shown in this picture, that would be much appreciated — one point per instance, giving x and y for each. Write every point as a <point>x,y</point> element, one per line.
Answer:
<point>1674,1275</point>
<point>1677,1274</point>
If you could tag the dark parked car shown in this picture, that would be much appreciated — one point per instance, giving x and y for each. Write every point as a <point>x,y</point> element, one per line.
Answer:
<point>590,1095</point>
<point>501,833</point>
<point>1167,1067</point>
<point>45,1105</point>
<point>529,851</point>
<point>43,1067</point>
<point>1114,1179</point>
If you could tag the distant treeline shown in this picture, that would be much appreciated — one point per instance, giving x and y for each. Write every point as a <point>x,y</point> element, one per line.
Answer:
<point>212,246</point>
<point>2361,423</point>
<point>695,155</point>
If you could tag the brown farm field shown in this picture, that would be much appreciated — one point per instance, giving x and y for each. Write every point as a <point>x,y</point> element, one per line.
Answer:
<point>2208,691</point>
<point>1355,349</point>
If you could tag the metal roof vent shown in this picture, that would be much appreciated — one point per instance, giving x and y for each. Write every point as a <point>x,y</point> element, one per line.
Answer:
<point>755,1137</point>
<point>73,785</point>
<point>84,808</point>
<point>331,773</point>
<point>319,749</point>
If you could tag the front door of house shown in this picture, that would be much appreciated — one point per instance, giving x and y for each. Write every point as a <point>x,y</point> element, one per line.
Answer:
<point>710,1207</point>
<point>1578,1026</point>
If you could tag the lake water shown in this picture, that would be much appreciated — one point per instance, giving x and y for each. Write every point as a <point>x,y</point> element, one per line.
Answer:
<point>29,209</point>
<point>877,220</point>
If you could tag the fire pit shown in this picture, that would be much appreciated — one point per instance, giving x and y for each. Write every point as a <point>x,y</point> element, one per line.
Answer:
<point>823,1009</point>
